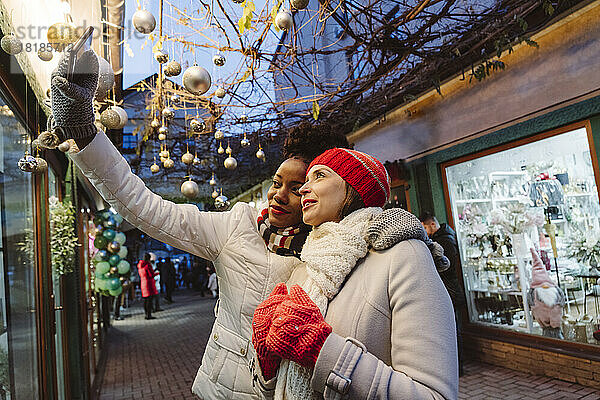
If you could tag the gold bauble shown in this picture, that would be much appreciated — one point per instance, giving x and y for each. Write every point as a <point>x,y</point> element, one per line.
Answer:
<point>230,163</point>
<point>219,134</point>
<point>228,149</point>
<point>243,118</point>
<point>196,161</point>
<point>163,130</point>
<point>213,181</point>
<point>143,21</point>
<point>110,118</point>
<point>155,124</point>
<point>173,68</point>
<point>169,163</point>
<point>215,194</point>
<point>175,98</point>
<point>161,57</point>
<point>11,44</point>
<point>45,55</point>
<point>168,113</point>
<point>244,142</point>
<point>196,80</point>
<point>222,203</point>
<point>61,34</point>
<point>123,117</point>
<point>220,150</point>
<point>164,154</point>
<point>154,168</point>
<point>162,136</point>
<point>260,154</point>
<point>187,158</point>
<point>220,92</point>
<point>197,126</point>
<point>190,189</point>
<point>299,4</point>
<point>42,165</point>
<point>219,60</point>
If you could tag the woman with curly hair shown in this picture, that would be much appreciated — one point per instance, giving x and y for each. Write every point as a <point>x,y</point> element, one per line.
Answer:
<point>251,251</point>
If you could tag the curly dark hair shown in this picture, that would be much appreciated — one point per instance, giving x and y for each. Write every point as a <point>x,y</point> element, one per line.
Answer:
<point>307,141</point>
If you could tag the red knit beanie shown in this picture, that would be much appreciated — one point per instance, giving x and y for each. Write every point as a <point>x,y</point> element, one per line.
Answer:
<point>363,172</point>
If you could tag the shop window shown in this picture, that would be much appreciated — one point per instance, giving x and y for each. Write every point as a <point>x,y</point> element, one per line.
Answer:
<point>18,336</point>
<point>538,194</point>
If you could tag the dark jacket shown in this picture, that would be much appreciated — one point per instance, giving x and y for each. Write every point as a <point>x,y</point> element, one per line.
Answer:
<point>446,237</point>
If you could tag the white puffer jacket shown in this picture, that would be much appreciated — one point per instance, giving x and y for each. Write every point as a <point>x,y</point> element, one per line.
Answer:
<point>246,270</point>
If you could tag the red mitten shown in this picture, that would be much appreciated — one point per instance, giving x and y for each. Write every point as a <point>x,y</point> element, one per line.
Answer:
<point>298,330</point>
<point>261,323</point>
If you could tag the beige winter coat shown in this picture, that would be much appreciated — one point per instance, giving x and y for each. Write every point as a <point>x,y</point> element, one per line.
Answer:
<point>246,270</point>
<point>395,304</point>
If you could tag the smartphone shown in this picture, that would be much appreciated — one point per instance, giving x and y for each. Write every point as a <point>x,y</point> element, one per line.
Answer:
<point>82,44</point>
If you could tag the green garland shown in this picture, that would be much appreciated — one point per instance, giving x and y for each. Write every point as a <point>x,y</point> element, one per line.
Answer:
<point>63,242</point>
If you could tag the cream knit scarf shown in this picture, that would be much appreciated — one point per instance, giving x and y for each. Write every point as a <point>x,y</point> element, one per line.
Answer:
<point>330,253</point>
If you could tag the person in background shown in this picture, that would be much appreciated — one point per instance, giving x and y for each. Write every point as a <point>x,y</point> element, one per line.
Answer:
<point>212,282</point>
<point>170,279</point>
<point>155,298</point>
<point>147,284</point>
<point>446,237</point>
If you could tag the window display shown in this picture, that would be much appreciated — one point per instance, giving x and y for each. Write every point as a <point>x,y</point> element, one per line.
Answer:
<point>539,195</point>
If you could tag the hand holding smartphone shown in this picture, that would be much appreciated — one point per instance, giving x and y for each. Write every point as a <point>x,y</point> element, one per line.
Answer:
<point>82,44</point>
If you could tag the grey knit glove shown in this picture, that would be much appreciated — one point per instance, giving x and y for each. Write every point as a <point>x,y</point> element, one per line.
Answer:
<point>72,101</point>
<point>396,225</point>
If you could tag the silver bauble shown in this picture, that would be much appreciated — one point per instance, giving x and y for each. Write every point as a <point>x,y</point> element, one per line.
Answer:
<point>154,168</point>
<point>219,134</point>
<point>187,158</point>
<point>197,126</point>
<point>220,92</point>
<point>163,130</point>
<point>110,118</point>
<point>219,60</point>
<point>169,163</point>
<point>284,20</point>
<point>49,140</point>
<point>190,189</point>
<point>45,55</point>
<point>11,44</point>
<point>221,203</point>
<point>161,57</point>
<point>106,79</point>
<point>299,4</point>
<point>260,154</point>
<point>175,98</point>
<point>230,163</point>
<point>162,136</point>
<point>215,194</point>
<point>155,124</point>
<point>244,142</point>
<point>168,113</point>
<point>243,118</point>
<point>197,161</point>
<point>123,118</point>
<point>42,165</point>
<point>173,68</point>
<point>27,163</point>
<point>144,22</point>
<point>196,80</point>
<point>64,146</point>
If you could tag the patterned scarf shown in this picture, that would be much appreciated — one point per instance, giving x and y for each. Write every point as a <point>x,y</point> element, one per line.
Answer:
<point>282,241</point>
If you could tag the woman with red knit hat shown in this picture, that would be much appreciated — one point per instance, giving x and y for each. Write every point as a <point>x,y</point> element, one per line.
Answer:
<point>366,315</point>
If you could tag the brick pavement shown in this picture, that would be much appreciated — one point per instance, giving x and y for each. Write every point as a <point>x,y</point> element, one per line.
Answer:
<point>158,359</point>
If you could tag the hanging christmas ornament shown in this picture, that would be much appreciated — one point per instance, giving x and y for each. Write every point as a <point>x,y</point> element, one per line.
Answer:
<point>299,4</point>
<point>196,161</point>
<point>173,68</point>
<point>219,60</point>
<point>64,146</point>
<point>155,124</point>
<point>61,34</point>
<point>197,126</point>
<point>244,142</point>
<point>110,118</point>
<point>187,158</point>
<point>190,189</point>
<point>175,98</point>
<point>123,118</point>
<point>169,163</point>
<point>230,162</point>
<point>164,154</point>
<point>49,140</point>
<point>284,20</point>
<point>220,92</point>
<point>213,181</point>
<point>196,80</point>
<point>11,44</point>
<point>161,57</point>
<point>220,150</point>
<point>228,149</point>
<point>36,146</point>
<point>219,134</point>
<point>113,247</point>
<point>45,55</point>
<point>106,79</point>
<point>221,202</point>
<point>27,163</point>
<point>243,118</point>
<point>162,136</point>
<point>260,154</point>
<point>42,165</point>
<point>144,22</point>
<point>215,194</point>
<point>163,130</point>
<point>154,168</point>
<point>168,113</point>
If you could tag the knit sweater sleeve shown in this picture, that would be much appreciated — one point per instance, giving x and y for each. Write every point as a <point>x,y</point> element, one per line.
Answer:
<point>180,225</point>
<point>424,355</point>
